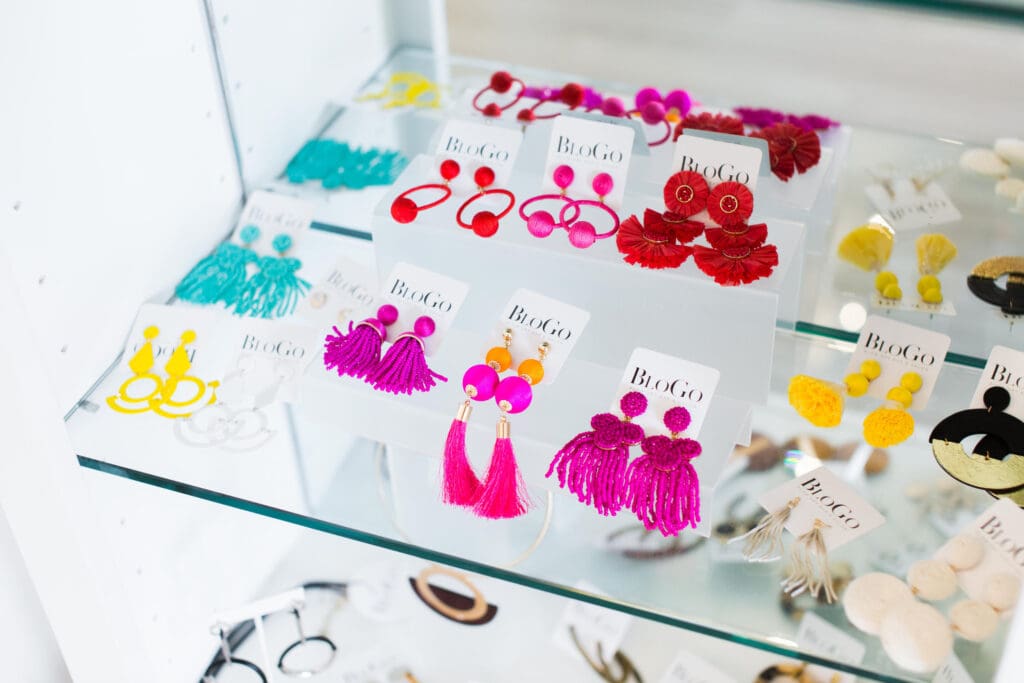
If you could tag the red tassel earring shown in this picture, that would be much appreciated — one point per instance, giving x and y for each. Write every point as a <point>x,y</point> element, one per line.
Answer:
<point>405,210</point>
<point>484,223</point>
<point>659,242</point>
<point>503,492</point>
<point>460,485</point>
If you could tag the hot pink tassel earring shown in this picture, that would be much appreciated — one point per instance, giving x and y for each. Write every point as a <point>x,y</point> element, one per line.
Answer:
<point>403,369</point>
<point>662,486</point>
<point>503,492</point>
<point>460,485</point>
<point>357,354</point>
<point>593,464</point>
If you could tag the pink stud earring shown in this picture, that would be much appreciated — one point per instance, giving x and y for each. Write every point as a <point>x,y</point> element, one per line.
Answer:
<point>661,486</point>
<point>403,369</point>
<point>357,354</point>
<point>582,233</point>
<point>541,223</point>
<point>593,464</point>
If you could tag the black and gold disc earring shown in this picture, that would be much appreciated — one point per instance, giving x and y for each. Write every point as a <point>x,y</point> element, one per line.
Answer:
<point>983,283</point>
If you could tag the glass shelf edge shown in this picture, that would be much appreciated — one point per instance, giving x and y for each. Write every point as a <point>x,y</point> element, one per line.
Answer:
<point>473,566</point>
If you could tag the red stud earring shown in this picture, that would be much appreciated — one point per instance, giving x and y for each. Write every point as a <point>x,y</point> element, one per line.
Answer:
<point>484,223</point>
<point>501,83</point>
<point>405,210</point>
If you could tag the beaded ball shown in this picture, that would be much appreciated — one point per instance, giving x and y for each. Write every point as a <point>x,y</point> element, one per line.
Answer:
<point>424,326</point>
<point>613,106</point>
<point>540,223</point>
<point>480,382</point>
<point>387,314</point>
<point>404,210</point>
<point>632,404</point>
<point>582,234</point>
<point>449,169</point>
<point>249,234</point>
<point>513,395</point>
<point>491,109</point>
<point>532,370</point>
<point>499,358</point>
<point>677,419</point>
<point>563,176</point>
<point>679,100</point>
<point>645,95</point>
<point>501,81</point>
<point>483,176</point>
<point>603,184</point>
<point>526,115</point>
<point>484,224</point>
<point>282,243</point>
<point>652,113</point>
<point>572,94</point>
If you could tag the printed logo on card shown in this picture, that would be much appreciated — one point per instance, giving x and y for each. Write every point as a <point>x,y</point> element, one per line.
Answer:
<point>717,161</point>
<point>416,292</point>
<point>481,144</point>
<point>535,319</point>
<point>668,381</point>
<point>589,147</point>
<point>347,293</point>
<point>273,214</point>
<point>900,348</point>
<point>1005,368</point>
<point>905,207</point>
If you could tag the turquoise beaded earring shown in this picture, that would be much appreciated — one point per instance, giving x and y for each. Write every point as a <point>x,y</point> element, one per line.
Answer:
<point>220,277</point>
<point>274,291</point>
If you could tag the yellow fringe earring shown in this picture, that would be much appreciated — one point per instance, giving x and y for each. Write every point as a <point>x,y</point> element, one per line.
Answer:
<point>934,252</point>
<point>891,423</point>
<point>820,402</point>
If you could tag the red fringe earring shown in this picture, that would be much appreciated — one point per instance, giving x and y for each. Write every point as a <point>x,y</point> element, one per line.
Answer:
<point>657,243</point>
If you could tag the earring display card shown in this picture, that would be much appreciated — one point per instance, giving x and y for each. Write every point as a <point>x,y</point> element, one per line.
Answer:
<point>667,381</point>
<point>718,160</point>
<point>417,292</point>
<point>274,214</point>
<point>592,625</point>
<point>952,671</point>
<point>474,144</point>
<point>824,496</point>
<point>589,147</point>
<point>208,356</point>
<point>900,348</point>
<point>348,293</point>
<point>1001,527</point>
<point>909,303</point>
<point>1005,368</point>
<point>290,346</point>
<point>689,668</point>
<point>905,207</point>
<point>535,319</point>
<point>819,637</point>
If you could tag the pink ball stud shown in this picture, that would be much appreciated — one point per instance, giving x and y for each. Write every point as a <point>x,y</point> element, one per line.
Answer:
<point>680,101</point>
<point>424,326</point>
<point>677,419</point>
<point>613,106</point>
<point>513,395</point>
<point>645,95</point>
<point>480,382</point>
<point>563,176</point>
<point>652,113</point>
<point>582,234</point>
<point>603,184</point>
<point>633,404</point>
<point>387,314</point>
<point>540,223</point>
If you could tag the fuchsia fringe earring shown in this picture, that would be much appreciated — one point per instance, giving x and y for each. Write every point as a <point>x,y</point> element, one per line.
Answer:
<point>357,354</point>
<point>403,369</point>
<point>593,464</point>
<point>662,486</point>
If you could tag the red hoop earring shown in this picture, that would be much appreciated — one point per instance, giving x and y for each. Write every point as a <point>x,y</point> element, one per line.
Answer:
<point>501,83</point>
<point>405,210</point>
<point>484,223</point>
<point>571,95</point>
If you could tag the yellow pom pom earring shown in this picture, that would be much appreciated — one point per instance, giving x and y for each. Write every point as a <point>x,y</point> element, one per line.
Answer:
<point>821,402</point>
<point>934,252</point>
<point>891,423</point>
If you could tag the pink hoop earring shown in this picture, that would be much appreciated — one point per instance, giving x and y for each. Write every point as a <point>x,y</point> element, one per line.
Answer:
<point>405,210</point>
<point>484,223</point>
<point>541,223</point>
<point>652,113</point>
<point>583,234</point>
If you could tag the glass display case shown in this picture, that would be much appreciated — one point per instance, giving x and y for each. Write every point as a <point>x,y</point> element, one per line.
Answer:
<point>238,349</point>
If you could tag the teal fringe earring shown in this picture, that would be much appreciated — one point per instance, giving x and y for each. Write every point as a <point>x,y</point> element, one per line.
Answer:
<point>335,164</point>
<point>220,276</point>
<point>274,291</point>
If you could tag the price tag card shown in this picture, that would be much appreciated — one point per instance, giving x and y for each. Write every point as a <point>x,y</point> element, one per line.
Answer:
<point>592,625</point>
<point>474,144</point>
<point>1005,368</point>
<point>908,303</point>
<point>719,160</point>
<point>819,637</point>
<point>689,668</point>
<point>822,495</point>
<point>667,381</point>
<point>273,214</point>
<point>589,147</point>
<point>288,347</point>
<point>900,348</point>
<point>906,208</point>
<point>952,671</point>
<point>207,353</point>
<point>535,319</point>
<point>419,292</point>
<point>348,293</point>
<point>1001,527</point>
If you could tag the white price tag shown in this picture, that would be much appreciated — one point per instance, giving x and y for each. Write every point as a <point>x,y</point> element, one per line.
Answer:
<point>908,209</point>
<point>592,625</point>
<point>667,381</point>
<point>289,347</point>
<point>718,161</point>
<point>589,147</point>
<point>824,496</point>
<point>819,637</point>
<point>689,668</point>
<point>900,348</point>
<point>273,214</point>
<point>534,319</point>
<point>1005,368</point>
<point>474,144</point>
<point>348,293</point>
<point>416,292</point>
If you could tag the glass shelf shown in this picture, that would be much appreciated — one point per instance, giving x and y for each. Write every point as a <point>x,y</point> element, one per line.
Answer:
<point>835,296</point>
<point>315,474</point>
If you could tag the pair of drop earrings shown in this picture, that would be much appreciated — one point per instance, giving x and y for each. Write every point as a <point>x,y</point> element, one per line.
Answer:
<point>502,494</point>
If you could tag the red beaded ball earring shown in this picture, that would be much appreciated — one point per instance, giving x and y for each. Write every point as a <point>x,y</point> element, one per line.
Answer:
<point>501,83</point>
<point>484,223</point>
<point>405,210</point>
<point>571,95</point>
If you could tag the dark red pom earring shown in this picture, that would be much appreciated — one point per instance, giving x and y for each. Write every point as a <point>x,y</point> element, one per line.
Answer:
<point>501,83</point>
<point>571,95</point>
<point>484,223</point>
<point>405,210</point>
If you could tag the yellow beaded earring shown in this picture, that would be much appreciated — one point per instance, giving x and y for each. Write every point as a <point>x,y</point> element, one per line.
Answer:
<point>891,423</point>
<point>820,402</point>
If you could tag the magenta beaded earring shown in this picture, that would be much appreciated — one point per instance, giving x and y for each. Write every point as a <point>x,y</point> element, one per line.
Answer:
<point>582,233</point>
<point>541,223</point>
<point>593,464</point>
<point>403,369</point>
<point>502,494</point>
<point>661,486</point>
<point>357,354</point>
